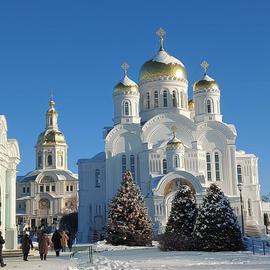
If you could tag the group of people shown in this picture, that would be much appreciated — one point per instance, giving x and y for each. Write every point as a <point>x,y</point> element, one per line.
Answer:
<point>59,242</point>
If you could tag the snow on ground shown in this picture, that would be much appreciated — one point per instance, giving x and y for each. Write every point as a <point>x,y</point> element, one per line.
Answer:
<point>34,262</point>
<point>141,258</point>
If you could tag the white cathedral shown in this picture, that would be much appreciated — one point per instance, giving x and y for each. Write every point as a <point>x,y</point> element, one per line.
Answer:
<point>165,141</point>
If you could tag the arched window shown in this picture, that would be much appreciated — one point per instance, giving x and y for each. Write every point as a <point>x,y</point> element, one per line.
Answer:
<point>208,166</point>
<point>49,160</point>
<point>182,100</point>
<point>50,120</point>
<point>164,166</point>
<point>249,207</point>
<point>132,166</point>
<point>155,99</point>
<point>239,174</point>
<point>165,98</point>
<point>217,166</point>
<point>126,108</point>
<point>176,161</point>
<point>174,100</point>
<point>97,178</point>
<point>147,100</point>
<point>209,106</point>
<point>124,163</point>
<point>39,160</point>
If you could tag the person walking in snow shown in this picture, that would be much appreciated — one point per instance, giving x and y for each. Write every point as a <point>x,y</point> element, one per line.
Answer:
<point>71,237</point>
<point>2,242</point>
<point>26,245</point>
<point>44,243</point>
<point>56,239</point>
<point>64,240</point>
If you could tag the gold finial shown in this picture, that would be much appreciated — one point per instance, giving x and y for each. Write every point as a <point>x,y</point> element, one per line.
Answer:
<point>125,67</point>
<point>161,33</point>
<point>174,128</point>
<point>204,66</point>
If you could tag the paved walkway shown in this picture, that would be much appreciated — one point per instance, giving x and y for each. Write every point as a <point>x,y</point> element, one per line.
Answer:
<point>34,262</point>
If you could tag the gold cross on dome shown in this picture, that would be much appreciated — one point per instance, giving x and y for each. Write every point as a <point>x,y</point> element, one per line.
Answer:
<point>174,128</point>
<point>125,67</point>
<point>161,33</point>
<point>204,66</point>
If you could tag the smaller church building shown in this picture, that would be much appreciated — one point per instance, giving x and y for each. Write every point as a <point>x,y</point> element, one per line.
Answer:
<point>50,191</point>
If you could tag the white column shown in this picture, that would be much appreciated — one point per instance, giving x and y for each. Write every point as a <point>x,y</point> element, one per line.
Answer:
<point>10,209</point>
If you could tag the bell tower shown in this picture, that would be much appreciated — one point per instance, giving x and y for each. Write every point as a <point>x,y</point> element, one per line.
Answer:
<point>51,147</point>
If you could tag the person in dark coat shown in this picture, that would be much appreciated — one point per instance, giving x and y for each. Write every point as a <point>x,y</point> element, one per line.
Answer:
<point>2,242</point>
<point>71,237</point>
<point>26,245</point>
<point>56,239</point>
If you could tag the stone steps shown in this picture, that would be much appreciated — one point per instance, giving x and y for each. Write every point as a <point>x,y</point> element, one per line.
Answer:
<point>253,231</point>
<point>12,253</point>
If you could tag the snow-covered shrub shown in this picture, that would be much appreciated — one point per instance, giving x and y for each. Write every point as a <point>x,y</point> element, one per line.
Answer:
<point>216,227</point>
<point>128,221</point>
<point>171,241</point>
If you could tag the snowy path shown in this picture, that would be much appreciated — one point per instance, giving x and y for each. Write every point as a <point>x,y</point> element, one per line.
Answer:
<point>34,263</point>
<point>120,258</point>
<point>153,259</point>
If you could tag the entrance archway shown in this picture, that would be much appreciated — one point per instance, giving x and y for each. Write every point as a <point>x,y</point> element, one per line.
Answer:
<point>171,189</point>
<point>165,192</point>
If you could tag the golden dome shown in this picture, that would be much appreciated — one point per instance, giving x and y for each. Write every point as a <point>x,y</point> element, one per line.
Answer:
<point>51,137</point>
<point>162,66</point>
<point>191,105</point>
<point>126,86</point>
<point>174,143</point>
<point>206,83</point>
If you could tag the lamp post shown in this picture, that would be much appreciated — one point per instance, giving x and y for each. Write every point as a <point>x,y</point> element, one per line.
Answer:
<point>240,188</point>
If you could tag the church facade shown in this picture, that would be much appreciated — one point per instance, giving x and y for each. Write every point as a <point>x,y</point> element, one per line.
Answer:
<point>9,159</point>
<point>166,139</point>
<point>50,191</point>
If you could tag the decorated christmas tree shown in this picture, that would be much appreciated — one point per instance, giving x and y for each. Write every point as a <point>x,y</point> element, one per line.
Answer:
<point>216,227</point>
<point>178,233</point>
<point>128,221</point>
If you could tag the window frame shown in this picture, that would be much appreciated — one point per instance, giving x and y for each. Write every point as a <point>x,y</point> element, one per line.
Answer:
<point>97,178</point>
<point>156,99</point>
<point>208,167</point>
<point>165,98</point>
<point>239,173</point>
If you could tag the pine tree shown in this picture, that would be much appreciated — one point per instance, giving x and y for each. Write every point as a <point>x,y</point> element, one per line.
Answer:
<point>183,213</point>
<point>128,221</point>
<point>180,225</point>
<point>216,227</point>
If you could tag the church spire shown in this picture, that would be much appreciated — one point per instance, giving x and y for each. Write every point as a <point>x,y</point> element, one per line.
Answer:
<point>51,115</point>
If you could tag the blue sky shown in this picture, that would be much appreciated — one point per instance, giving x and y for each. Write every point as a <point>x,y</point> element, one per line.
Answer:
<point>77,47</point>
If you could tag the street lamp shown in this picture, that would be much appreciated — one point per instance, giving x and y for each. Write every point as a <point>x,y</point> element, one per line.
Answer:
<point>240,188</point>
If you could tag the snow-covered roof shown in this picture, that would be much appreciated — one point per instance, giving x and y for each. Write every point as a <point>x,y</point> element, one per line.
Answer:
<point>127,81</point>
<point>243,154</point>
<point>23,198</point>
<point>99,157</point>
<point>60,175</point>
<point>155,180</point>
<point>164,57</point>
